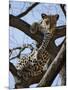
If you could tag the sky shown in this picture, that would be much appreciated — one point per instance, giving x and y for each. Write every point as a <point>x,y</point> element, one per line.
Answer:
<point>18,38</point>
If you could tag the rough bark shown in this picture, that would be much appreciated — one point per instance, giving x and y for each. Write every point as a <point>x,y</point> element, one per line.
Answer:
<point>13,70</point>
<point>54,68</point>
<point>25,27</point>
<point>63,75</point>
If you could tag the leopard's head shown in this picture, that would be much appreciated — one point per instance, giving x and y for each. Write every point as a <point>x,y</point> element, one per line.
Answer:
<point>49,21</point>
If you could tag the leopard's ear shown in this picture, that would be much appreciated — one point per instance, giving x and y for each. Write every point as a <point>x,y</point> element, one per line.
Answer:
<point>43,15</point>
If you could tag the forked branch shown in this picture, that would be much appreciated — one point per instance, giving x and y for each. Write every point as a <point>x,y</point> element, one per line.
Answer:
<point>25,27</point>
<point>54,68</point>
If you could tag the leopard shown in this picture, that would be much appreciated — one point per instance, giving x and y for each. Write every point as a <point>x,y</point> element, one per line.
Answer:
<point>36,63</point>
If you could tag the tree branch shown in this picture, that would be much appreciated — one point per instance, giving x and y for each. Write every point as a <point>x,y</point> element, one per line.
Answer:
<point>63,9</point>
<point>27,10</point>
<point>25,27</point>
<point>54,68</point>
<point>36,79</point>
<point>63,75</point>
<point>13,70</point>
<point>20,50</point>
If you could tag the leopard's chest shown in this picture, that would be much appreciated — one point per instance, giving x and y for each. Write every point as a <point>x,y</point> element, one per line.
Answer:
<point>37,68</point>
<point>43,56</point>
<point>34,67</point>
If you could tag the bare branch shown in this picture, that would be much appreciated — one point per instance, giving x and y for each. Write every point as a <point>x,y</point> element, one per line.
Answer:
<point>14,48</point>
<point>54,68</point>
<point>13,70</point>
<point>36,79</point>
<point>25,27</point>
<point>17,56</point>
<point>63,9</point>
<point>63,75</point>
<point>27,10</point>
<point>21,49</point>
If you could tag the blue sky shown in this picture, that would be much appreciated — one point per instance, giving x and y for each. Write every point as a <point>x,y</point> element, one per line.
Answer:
<point>18,38</point>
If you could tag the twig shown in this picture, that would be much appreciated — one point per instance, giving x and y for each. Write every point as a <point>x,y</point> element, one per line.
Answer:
<point>27,10</point>
<point>21,49</point>
<point>63,9</point>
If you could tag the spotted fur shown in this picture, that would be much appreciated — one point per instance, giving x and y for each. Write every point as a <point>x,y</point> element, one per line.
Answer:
<point>36,63</point>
